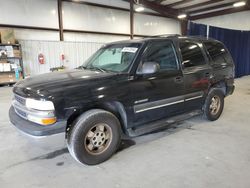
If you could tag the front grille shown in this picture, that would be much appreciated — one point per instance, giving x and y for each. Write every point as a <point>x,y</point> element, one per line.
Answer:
<point>21,113</point>
<point>21,100</point>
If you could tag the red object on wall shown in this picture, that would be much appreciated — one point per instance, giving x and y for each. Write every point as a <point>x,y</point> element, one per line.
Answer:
<point>41,59</point>
<point>62,57</point>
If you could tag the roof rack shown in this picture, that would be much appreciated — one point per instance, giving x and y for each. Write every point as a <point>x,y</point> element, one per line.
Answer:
<point>163,36</point>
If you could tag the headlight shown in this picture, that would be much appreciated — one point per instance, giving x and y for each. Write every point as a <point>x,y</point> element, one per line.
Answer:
<point>39,105</point>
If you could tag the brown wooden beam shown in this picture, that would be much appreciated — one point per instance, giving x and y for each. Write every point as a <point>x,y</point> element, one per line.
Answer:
<point>200,5</point>
<point>211,8</point>
<point>60,21</point>
<point>159,1</point>
<point>178,3</point>
<point>184,24</point>
<point>131,19</point>
<point>167,11</point>
<point>102,33</point>
<point>113,7</point>
<point>97,5</point>
<point>28,27</point>
<point>96,32</point>
<point>219,13</point>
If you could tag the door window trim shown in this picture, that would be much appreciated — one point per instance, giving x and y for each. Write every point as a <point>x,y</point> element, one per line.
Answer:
<point>184,69</point>
<point>161,70</point>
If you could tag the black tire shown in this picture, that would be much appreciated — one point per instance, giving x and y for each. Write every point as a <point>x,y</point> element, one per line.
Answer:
<point>209,111</point>
<point>78,140</point>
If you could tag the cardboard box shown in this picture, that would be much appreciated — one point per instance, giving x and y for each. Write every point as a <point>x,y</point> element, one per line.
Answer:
<point>3,61</point>
<point>7,36</point>
<point>8,78</point>
<point>1,67</point>
<point>6,67</point>
<point>17,53</point>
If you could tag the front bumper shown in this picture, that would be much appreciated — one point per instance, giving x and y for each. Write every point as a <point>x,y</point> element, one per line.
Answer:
<point>33,128</point>
<point>230,90</point>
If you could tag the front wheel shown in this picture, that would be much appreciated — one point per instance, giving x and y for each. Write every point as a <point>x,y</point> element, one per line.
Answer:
<point>214,104</point>
<point>94,137</point>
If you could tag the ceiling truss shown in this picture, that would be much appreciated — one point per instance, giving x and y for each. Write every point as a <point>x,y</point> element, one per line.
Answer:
<point>194,9</point>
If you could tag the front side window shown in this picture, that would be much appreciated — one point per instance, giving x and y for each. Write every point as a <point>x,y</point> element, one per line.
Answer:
<point>115,57</point>
<point>162,53</point>
<point>191,54</point>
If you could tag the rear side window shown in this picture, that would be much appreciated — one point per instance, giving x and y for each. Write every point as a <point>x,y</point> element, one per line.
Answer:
<point>191,54</point>
<point>217,52</point>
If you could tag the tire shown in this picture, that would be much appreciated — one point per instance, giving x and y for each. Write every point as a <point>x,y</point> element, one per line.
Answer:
<point>214,104</point>
<point>94,137</point>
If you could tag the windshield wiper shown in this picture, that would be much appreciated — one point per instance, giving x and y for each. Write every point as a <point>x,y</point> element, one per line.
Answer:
<point>98,68</point>
<point>91,68</point>
<point>81,67</point>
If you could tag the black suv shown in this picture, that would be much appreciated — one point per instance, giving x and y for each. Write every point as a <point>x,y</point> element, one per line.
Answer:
<point>128,87</point>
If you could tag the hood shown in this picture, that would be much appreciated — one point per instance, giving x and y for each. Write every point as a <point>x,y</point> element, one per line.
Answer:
<point>56,82</point>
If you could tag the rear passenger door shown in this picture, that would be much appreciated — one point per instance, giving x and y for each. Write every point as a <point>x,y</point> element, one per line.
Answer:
<point>196,72</point>
<point>220,60</point>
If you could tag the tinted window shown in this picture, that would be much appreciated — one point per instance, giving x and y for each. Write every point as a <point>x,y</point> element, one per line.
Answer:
<point>217,52</point>
<point>191,54</point>
<point>162,53</point>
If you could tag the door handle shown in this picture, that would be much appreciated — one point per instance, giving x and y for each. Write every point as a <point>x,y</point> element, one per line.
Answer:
<point>207,74</point>
<point>178,79</point>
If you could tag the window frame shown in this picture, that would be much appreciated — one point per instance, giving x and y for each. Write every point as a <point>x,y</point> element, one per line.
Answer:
<point>148,45</point>
<point>129,68</point>
<point>211,59</point>
<point>203,51</point>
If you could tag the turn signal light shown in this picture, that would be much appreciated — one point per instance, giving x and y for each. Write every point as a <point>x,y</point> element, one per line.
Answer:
<point>48,121</point>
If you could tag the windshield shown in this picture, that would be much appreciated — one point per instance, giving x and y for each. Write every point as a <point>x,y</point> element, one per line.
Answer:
<point>115,57</point>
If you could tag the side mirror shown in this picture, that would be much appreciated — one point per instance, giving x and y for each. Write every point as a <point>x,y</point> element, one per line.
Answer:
<point>149,68</point>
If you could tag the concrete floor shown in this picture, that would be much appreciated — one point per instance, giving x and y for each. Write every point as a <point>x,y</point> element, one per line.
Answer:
<point>196,153</point>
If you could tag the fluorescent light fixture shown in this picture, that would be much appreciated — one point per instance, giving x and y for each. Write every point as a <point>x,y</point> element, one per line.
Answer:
<point>239,4</point>
<point>182,16</point>
<point>139,9</point>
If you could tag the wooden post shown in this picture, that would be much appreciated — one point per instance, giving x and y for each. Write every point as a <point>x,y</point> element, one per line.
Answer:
<point>131,19</point>
<point>184,25</point>
<point>60,20</point>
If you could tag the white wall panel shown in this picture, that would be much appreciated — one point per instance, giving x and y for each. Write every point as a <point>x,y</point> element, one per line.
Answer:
<point>29,13</point>
<point>29,34</point>
<point>75,53</point>
<point>155,25</point>
<point>239,21</point>
<point>84,17</point>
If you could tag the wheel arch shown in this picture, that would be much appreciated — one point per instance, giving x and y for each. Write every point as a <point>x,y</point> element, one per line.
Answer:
<point>113,107</point>
<point>219,85</point>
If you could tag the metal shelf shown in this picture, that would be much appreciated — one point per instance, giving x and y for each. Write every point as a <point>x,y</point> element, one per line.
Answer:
<point>9,71</point>
<point>9,44</point>
<point>10,58</point>
<point>13,58</point>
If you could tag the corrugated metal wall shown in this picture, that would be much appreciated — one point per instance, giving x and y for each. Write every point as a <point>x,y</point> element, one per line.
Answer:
<point>75,54</point>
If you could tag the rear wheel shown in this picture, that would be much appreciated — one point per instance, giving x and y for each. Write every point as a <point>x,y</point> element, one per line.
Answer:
<point>94,137</point>
<point>214,104</point>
